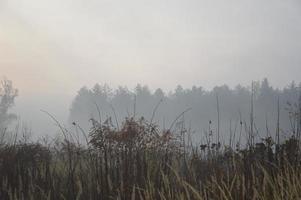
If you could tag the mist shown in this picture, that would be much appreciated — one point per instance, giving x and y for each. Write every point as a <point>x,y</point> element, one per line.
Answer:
<point>50,49</point>
<point>150,99</point>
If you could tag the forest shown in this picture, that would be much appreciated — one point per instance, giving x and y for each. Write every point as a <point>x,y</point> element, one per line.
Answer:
<point>224,107</point>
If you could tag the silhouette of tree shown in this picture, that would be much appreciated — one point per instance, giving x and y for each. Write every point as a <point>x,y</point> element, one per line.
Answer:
<point>159,94</point>
<point>7,100</point>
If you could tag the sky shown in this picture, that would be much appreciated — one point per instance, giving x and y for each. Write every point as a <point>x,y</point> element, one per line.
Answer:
<point>51,48</point>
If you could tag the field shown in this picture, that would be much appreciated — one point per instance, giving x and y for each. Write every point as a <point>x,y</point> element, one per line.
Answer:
<point>139,161</point>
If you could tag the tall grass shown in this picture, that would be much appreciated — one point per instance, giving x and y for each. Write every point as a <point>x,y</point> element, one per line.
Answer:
<point>139,161</point>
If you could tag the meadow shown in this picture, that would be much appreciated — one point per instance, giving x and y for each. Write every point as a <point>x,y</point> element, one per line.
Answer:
<point>137,160</point>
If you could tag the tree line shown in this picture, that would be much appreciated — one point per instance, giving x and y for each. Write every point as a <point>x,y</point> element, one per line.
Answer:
<point>222,111</point>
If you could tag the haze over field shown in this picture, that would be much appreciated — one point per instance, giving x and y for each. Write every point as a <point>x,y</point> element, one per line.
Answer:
<point>50,49</point>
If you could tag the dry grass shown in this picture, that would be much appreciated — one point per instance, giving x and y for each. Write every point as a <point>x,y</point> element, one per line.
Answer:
<point>138,161</point>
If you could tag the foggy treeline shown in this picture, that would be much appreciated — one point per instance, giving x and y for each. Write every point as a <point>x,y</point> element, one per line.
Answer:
<point>232,108</point>
<point>127,156</point>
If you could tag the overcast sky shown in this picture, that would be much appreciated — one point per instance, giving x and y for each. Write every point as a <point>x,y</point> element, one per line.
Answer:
<point>47,45</point>
<point>53,47</point>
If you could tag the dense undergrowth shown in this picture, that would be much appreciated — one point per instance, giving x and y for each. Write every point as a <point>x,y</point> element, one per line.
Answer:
<point>138,161</point>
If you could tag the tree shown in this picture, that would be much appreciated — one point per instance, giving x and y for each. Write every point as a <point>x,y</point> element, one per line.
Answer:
<point>7,100</point>
<point>159,94</point>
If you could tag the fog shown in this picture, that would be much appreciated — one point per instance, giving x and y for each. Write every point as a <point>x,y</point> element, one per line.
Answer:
<point>50,49</point>
<point>222,111</point>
